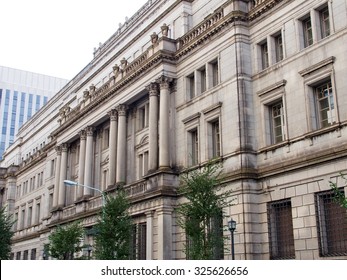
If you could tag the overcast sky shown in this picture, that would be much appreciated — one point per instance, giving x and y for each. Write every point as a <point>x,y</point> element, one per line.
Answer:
<point>58,37</point>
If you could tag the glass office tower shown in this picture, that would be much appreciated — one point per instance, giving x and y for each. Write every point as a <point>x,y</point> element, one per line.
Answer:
<point>22,94</point>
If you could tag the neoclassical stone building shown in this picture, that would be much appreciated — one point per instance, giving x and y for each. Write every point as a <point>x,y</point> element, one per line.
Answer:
<point>259,85</point>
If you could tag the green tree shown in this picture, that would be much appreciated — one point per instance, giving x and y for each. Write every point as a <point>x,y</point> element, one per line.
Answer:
<point>113,230</point>
<point>65,241</point>
<point>6,234</point>
<point>339,196</point>
<point>201,217</point>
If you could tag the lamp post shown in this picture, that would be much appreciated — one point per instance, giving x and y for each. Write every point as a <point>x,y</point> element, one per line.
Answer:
<point>73,183</point>
<point>232,227</point>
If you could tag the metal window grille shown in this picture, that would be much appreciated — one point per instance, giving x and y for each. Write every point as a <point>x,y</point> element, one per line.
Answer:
<point>331,225</point>
<point>138,242</point>
<point>33,254</point>
<point>280,224</point>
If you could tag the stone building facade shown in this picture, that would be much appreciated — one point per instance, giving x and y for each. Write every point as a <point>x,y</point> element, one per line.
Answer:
<point>258,85</point>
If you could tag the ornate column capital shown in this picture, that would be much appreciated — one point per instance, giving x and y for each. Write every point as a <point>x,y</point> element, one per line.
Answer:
<point>164,82</point>
<point>89,130</point>
<point>58,150</point>
<point>122,109</point>
<point>152,89</point>
<point>64,147</point>
<point>113,115</point>
<point>83,134</point>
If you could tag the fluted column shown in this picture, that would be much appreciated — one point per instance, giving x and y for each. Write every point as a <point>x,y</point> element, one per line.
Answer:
<point>113,146</point>
<point>153,127</point>
<point>57,177</point>
<point>121,145</point>
<point>63,171</point>
<point>88,167</point>
<point>81,163</point>
<point>164,152</point>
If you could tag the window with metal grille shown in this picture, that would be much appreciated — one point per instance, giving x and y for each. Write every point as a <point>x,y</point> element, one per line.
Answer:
<point>138,242</point>
<point>215,233</point>
<point>33,254</point>
<point>331,225</point>
<point>280,224</point>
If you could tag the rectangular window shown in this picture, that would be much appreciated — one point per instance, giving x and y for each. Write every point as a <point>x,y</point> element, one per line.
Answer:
<point>18,255</point>
<point>38,213</point>
<point>307,32</point>
<point>214,143</point>
<point>106,138</point>
<point>191,86</point>
<point>143,164</point>
<point>30,211</point>
<point>22,222</point>
<point>281,238</point>
<point>33,254</point>
<point>52,167</point>
<point>264,55</point>
<point>215,73</point>
<point>331,225</point>
<point>193,147</point>
<point>279,47</point>
<point>138,242</point>
<point>324,22</point>
<point>277,122</point>
<point>143,116</point>
<point>325,105</point>
<point>25,255</point>
<point>202,80</point>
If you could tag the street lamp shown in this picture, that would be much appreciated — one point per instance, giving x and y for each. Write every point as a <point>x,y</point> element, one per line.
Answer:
<point>232,227</point>
<point>73,183</point>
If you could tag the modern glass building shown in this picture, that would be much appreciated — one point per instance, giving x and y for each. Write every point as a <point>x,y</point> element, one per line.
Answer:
<point>22,94</point>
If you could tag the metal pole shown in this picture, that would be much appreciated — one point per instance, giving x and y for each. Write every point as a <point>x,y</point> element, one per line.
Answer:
<point>232,246</point>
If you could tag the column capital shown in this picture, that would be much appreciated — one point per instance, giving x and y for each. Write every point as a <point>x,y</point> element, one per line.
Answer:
<point>164,82</point>
<point>122,109</point>
<point>113,115</point>
<point>83,134</point>
<point>64,147</point>
<point>89,130</point>
<point>152,89</point>
<point>58,150</point>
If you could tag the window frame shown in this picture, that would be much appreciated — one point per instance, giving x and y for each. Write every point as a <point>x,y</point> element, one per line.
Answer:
<point>328,237</point>
<point>281,238</point>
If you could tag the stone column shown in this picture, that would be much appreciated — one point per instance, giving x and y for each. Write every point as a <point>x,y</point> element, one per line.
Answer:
<point>149,234</point>
<point>153,127</point>
<point>88,167</point>
<point>81,163</point>
<point>121,145</point>
<point>164,152</point>
<point>165,234</point>
<point>57,178</point>
<point>113,146</point>
<point>62,177</point>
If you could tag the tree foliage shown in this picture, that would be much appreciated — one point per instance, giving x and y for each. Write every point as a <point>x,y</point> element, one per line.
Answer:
<point>113,230</point>
<point>6,234</point>
<point>65,241</point>
<point>339,196</point>
<point>201,217</point>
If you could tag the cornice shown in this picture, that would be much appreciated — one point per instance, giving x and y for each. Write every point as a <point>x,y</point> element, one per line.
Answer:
<point>112,88</point>
<point>263,6</point>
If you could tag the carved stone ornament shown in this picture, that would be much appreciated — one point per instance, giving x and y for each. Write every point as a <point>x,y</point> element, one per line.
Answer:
<point>115,70</point>
<point>124,62</point>
<point>85,93</point>
<point>122,110</point>
<point>164,30</point>
<point>92,88</point>
<point>154,38</point>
